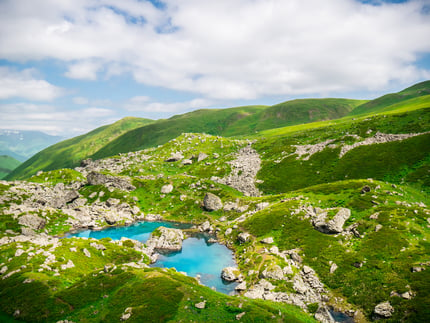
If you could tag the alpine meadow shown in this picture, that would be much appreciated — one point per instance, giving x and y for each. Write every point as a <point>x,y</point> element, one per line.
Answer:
<point>324,203</point>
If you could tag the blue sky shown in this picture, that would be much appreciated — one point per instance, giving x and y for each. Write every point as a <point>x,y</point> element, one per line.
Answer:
<point>69,66</point>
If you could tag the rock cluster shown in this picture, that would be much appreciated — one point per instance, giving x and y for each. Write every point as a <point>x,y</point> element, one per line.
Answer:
<point>166,239</point>
<point>244,170</point>
<point>95,178</point>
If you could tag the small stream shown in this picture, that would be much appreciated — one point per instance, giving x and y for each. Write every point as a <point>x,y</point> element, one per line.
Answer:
<point>198,258</point>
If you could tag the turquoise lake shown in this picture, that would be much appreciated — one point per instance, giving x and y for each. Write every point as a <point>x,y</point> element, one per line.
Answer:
<point>197,257</point>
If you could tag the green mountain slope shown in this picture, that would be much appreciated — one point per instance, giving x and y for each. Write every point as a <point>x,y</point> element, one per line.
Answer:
<point>230,122</point>
<point>397,161</point>
<point>380,104</point>
<point>69,153</point>
<point>7,165</point>
<point>226,122</point>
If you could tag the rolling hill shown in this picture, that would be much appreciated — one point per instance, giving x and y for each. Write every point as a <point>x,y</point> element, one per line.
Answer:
<point>7,165</point>
<point>380,104</point>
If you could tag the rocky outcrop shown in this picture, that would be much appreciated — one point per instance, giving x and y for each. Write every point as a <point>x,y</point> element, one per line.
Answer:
<point>211,202</point>
<point>32,221</point>
<point>378,138</point>
<point>166,239</point>
<point>95,178</point>
<point>334,225</point>
<point>244,170</point>
<point>273,272</point>
<point>231,274</point>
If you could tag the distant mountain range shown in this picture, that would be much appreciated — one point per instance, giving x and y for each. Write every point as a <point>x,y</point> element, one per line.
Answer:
<point>16,146</point>
<point>21,144</point>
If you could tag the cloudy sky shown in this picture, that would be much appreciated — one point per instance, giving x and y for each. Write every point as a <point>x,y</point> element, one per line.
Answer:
<point>68,66</point>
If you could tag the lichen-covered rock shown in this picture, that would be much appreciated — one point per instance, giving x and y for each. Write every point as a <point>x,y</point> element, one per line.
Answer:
<point>166,239</point>
<point>384,309</point>
<point>231,274</point>
<point>211,202</point>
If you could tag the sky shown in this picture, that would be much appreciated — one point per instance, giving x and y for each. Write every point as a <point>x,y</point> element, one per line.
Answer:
<point>69,66</point>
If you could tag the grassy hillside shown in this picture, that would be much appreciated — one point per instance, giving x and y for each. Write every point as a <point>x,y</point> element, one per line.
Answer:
<point>230,122</point>
<point>380,104</point>
<point>7,165</point>
<point>405,161</point>
<point>69,153</point>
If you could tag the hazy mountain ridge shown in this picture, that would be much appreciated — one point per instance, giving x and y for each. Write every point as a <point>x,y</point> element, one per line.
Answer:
<point>22,144</point>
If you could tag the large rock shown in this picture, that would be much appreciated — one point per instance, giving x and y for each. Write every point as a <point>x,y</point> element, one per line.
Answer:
<point>166,189</point>
<point>384,309</point>
<point>273,272</point>
<point>231,274</point>
<point>244,237</point>
<point>335,225</point>
<point>211,202</point>
<point>32,221</point>
<point>175,157</point>
<point>166,239</point>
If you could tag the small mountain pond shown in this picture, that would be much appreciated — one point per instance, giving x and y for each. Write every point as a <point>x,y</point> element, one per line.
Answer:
<point>197,257</point>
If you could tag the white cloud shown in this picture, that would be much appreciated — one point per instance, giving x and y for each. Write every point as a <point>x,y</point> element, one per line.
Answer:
<point>23,84</point>
<point>80,100</point>
<point>53,120</point>
<point>242,49</point>
<point>163,109</point>
<point>85,70</point>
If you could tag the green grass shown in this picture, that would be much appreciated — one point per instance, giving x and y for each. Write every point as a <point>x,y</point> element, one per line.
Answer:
<point>7,165</point>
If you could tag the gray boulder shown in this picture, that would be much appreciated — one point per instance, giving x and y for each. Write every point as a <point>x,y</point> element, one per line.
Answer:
<point>244,237</point>
<point>211,202</point>
<point>32,221</point>
<point>384,309</point>
<point>202,156</point>
<point>175,157</point>
<point>335,225</point>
